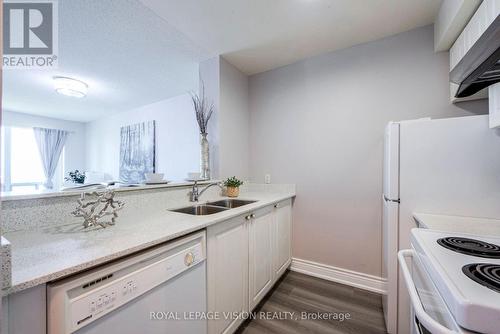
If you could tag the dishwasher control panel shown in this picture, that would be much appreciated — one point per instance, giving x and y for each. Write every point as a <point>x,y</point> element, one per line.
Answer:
<point>102,295</point>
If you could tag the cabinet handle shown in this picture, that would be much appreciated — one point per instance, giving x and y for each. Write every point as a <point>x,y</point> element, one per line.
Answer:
<point>248,217</point>
<point>252,216</point>
<point>276,205</point>
<point>189,259</point>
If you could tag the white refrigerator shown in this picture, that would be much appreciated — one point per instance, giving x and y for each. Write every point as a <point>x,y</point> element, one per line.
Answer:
<point>445,166</point>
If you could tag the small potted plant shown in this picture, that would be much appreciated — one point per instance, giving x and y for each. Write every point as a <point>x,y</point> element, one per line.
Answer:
<point>75,177</point>
<point>232,185</point>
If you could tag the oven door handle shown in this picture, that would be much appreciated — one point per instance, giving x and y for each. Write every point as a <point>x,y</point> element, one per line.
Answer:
<point>425,319</point>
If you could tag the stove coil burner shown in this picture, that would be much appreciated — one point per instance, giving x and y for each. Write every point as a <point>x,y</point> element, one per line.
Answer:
<point>471,247</point>
<point>486,274</point>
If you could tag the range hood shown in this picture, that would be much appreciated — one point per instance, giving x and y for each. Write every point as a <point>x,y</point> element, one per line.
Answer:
<point>480,67</point>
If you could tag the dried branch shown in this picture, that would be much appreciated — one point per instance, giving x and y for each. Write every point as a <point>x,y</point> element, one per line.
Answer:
<point>202,109</point>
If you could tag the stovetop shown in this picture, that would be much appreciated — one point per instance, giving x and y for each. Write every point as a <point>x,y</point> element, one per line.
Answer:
<point>466,271</point>
<point>486,274</point>
<point>470,246</point>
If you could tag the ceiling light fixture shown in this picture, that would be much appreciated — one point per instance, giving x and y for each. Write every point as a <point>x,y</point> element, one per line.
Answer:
<point>70,87</point>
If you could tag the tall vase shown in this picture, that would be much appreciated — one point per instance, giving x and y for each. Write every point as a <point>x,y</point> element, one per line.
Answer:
<point>204,157</point>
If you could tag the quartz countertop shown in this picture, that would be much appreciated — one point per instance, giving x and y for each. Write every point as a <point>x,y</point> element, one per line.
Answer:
<point>5,260</point>
<point>470,225</point>
<point>47,254</point>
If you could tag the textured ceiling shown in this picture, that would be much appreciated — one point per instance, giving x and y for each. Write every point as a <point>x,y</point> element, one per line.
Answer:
<point>258,35</point>
<point>127,55</point>
<point>136,52</point>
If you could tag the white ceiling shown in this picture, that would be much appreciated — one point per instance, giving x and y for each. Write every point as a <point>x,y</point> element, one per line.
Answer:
<point>127,55</point>
<point>258,35</point>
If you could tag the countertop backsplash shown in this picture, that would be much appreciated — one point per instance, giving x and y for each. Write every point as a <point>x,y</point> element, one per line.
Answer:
<point>262,187</point>
<point>56,211</point>
<point>32,214</point>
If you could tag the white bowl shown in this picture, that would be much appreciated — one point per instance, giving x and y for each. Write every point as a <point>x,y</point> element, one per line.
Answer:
<point>154,177</point>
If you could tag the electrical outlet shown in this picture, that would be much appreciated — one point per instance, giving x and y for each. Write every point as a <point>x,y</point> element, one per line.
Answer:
<point>267,178</point>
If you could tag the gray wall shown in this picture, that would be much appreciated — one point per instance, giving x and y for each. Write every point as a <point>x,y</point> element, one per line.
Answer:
<point>319,123</point>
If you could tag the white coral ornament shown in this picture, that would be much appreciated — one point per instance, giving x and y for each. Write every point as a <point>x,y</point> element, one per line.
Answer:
<point>100,205</point>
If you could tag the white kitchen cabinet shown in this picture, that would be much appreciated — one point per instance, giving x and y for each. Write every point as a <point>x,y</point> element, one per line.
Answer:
<point>261,239</point>
<point>282,236</point>
<point>227,272</point>
<point>25,311</point>
<point>246,256</point>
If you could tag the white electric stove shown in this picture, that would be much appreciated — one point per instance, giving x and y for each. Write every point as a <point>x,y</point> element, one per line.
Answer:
<point>454,282</point>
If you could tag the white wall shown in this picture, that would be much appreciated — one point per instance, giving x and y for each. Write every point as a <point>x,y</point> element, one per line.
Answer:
<point>74,150</point>
<point>234,119</point>
<point>319,123</point>
<point>177,138</point>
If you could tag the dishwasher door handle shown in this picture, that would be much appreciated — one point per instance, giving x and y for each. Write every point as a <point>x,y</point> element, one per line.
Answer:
<point>425,319</point>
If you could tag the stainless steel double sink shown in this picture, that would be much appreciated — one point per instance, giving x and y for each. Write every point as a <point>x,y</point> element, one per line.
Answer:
<point>213,207</point>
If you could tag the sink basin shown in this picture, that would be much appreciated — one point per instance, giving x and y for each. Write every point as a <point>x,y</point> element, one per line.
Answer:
<point>200,210</point>
<point>230,203</point>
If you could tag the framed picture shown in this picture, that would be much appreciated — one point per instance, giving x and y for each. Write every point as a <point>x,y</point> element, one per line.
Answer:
<point>137,151</point>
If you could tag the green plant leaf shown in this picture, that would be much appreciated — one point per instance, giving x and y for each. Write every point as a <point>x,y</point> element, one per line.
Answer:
<point>233,182</point>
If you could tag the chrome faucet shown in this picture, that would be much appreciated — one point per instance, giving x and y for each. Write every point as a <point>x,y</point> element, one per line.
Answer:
<point>195,193</point>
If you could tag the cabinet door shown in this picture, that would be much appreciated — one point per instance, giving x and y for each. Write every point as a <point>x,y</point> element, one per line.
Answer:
<point>282,235</point>
<point>261,255</point>
<point>227,273</point>
<point>25,311</point>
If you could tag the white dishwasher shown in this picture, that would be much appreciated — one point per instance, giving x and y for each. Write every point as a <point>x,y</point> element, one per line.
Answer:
<point>161,290</point>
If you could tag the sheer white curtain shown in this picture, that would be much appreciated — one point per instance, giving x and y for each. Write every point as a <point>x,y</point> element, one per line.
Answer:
<point>50,144</point>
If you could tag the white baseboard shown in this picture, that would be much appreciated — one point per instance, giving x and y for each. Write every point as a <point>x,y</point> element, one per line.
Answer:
<point>339,275</point>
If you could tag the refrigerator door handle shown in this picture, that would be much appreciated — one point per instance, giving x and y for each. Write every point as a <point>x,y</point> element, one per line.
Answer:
<point>391,200</point>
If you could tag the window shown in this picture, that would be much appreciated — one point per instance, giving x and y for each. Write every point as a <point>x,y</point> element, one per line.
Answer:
<point>22,169</point>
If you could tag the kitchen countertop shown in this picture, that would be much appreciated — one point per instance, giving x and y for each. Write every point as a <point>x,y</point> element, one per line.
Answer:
<point>47,254</point>
<point>470,225</point>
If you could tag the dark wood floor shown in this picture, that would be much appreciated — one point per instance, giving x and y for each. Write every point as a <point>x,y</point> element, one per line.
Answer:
<point>299,293</point>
